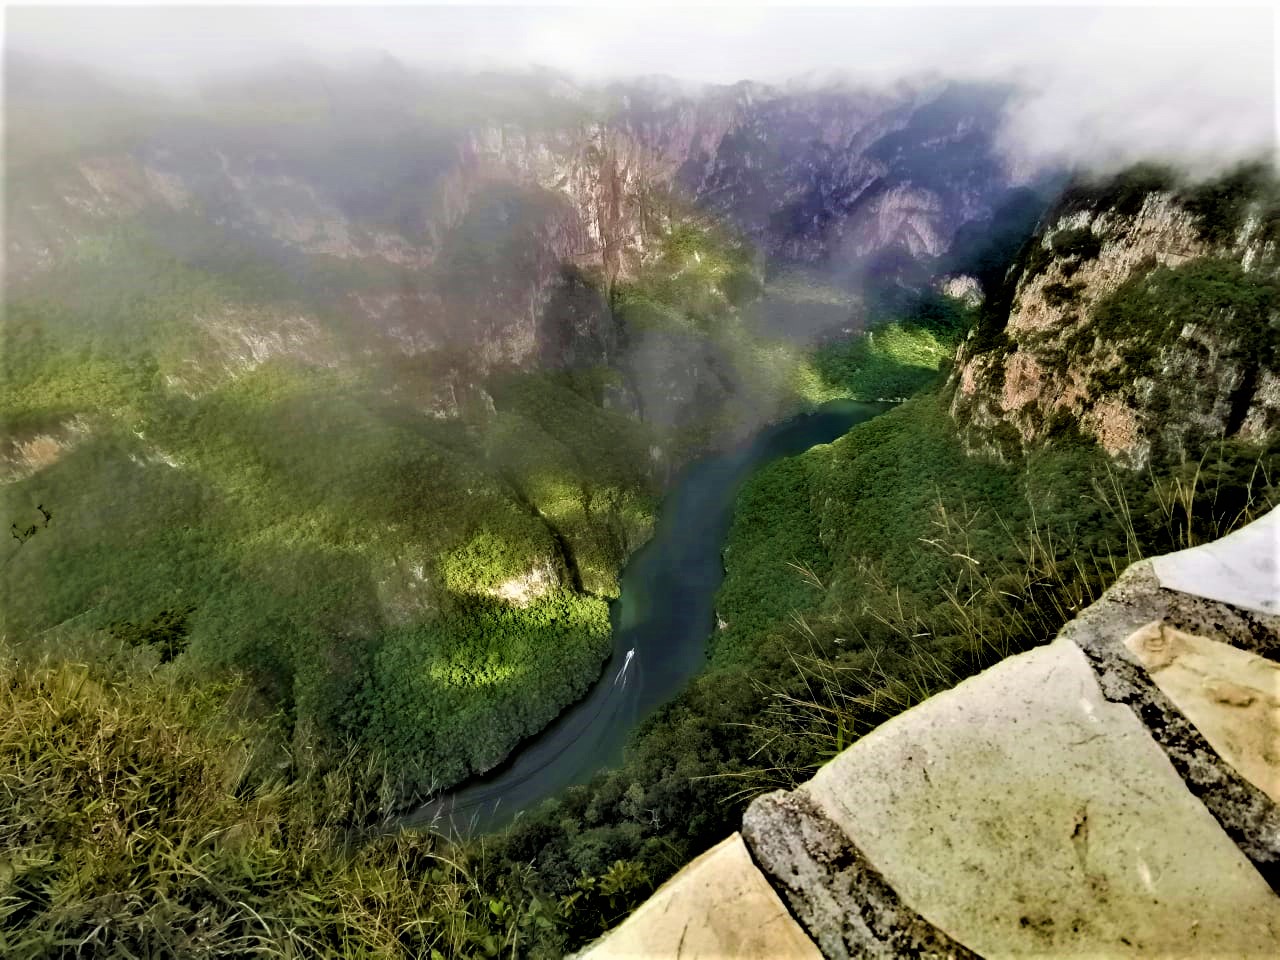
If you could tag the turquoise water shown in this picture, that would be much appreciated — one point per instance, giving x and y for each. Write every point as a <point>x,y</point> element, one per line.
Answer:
<point>661,622</point>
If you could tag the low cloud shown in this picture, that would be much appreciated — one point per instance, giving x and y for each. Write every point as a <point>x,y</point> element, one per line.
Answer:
<point>1102,86</point>
<point>1194,87</point>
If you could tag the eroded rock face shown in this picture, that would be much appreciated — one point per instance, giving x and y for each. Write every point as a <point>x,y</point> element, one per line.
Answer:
<point>1118,326</point>
<point>23,453</point>
<point>461,231</point>
<point>961,287</point>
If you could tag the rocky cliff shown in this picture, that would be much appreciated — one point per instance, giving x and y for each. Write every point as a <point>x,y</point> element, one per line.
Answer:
<point>1144,313</point>
<point>442,211</point>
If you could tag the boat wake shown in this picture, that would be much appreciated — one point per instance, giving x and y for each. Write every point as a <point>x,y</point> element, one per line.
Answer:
<point>621,678</point>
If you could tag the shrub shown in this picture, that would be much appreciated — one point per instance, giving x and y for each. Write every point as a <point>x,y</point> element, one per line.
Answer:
<point>1062,294</point>
<point>1221,205</point>
<point>1080,243</point>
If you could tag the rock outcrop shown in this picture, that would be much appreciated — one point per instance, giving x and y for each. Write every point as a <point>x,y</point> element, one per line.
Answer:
<point>1142,314</point>
<point>469,223</point>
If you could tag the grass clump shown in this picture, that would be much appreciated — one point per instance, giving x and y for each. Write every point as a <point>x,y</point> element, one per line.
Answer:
<point>132,828</point>
<point>145,817</point>
<point>940,566</point>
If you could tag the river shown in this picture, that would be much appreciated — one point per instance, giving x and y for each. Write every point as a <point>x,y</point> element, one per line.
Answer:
<point>661,621</point>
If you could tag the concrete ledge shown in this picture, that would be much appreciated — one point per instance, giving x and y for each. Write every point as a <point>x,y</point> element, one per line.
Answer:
<point>840,898</point>
<point>1232,697</point>
<point>1242,569</point>
<point>1249,816</point>
<point>1022,813</point>
<point>719,907</point>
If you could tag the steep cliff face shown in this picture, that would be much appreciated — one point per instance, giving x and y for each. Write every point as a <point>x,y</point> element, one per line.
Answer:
<point>435,213</point>
<point>1144,313</point>
<point>813,175</point>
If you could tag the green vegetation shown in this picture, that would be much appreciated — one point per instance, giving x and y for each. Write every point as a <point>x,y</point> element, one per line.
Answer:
<point>434,686</point>
<point>699,272</point>
<point>422,590</point>
<point>1061,294</point>
<point>900,352</point>
<point>890,361</point>
<point>301,566</point>
<point>1080,243</point>
<point>862,577</point>
<point>1221,206</point>
<point>368,567</point>
<point>141,821</point>
<point>1155,305</point>
<point>259,597</point>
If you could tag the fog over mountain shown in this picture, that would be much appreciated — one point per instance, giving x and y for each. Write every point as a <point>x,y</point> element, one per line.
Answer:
<point>1100,86</point>
<point>546,429</point>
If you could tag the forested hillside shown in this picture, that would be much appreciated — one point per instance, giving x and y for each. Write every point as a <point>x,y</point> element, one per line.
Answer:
<point>331,415</point>
<point>872,572</point>
<point>363,384</point>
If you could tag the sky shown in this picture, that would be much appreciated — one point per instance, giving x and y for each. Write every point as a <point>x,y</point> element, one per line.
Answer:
<point>1104,84</point>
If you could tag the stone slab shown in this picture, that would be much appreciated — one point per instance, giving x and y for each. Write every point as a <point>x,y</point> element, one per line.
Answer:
<point>1023,813</point>
<point>1250,817</point>
<point>831,887</point>
<point>1242,569</point>
<point>719,907</point>
<point>1231,696</point>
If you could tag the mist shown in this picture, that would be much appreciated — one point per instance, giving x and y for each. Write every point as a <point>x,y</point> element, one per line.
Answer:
<point>1099,87</point>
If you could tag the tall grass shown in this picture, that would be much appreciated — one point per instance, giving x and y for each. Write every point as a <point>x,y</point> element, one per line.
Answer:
<point>138,822</point>
<point>1194,501</point>
<point>858,663</point>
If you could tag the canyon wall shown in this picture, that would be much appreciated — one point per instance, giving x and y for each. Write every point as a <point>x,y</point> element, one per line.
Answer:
<point>1143,314</point>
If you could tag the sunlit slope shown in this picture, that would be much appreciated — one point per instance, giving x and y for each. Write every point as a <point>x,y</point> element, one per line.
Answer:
<point>409,548</point>
<point>206,449</point>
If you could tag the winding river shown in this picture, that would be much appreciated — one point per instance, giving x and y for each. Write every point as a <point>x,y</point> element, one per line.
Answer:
<point>661,621</point>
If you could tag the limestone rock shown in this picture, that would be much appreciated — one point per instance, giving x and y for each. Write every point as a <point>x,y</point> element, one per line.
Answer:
<point>1160,386</point>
